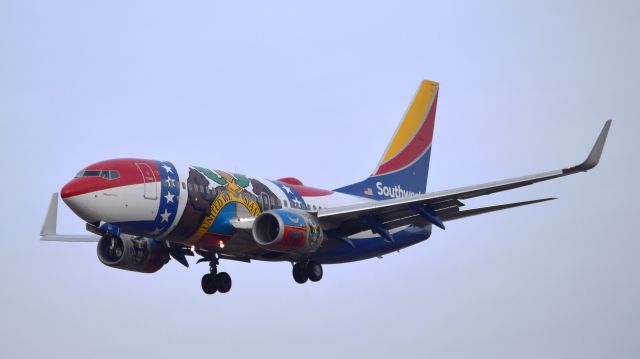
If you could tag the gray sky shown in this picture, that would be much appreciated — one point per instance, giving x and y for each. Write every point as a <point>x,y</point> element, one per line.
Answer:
<point>315,91</point>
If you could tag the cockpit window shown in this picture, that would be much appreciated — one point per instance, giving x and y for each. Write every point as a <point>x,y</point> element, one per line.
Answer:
<point>91,173</point>
<point>109,175</point>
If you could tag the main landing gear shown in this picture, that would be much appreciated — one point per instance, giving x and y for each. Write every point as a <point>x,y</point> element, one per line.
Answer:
<point>215,282</point>
<point>303,271</point>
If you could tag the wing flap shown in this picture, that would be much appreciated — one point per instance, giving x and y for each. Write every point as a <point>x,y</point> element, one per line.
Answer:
<point>448,214</point>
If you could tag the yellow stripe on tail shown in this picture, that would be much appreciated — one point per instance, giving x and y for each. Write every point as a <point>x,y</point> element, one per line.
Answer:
<point>412,120</point>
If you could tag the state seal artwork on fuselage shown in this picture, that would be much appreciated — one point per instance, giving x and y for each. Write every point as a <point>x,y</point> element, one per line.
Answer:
<point>214,198</point>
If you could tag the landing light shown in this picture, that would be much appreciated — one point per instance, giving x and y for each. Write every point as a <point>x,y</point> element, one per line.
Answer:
<point>193,248</point>
<point>221,244</point>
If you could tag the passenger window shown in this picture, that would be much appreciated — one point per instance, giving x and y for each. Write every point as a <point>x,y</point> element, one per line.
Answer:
<point>265,201</point>
<point>201,188</point>
<point>183,186</point>
<point>314,207</point>
<point>286,204</point>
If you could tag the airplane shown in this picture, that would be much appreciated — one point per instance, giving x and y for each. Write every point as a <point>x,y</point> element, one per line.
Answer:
<point>143,212</point>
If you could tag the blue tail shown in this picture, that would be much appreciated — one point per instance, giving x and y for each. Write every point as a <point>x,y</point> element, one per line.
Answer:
<point>404,167</point>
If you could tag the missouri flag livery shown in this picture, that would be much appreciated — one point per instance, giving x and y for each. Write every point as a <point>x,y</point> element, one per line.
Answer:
<point>144,212</point>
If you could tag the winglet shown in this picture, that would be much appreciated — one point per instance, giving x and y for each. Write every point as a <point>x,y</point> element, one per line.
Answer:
<point>51,220</point>
<point>49,230</point>
<point>596,152</point>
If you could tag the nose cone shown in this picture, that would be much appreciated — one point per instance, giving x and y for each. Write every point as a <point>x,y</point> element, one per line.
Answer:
<point>75,194</point>
<point>116,191</point>
<point>72,189</point>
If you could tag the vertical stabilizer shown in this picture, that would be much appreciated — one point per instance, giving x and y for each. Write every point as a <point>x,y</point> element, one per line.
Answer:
<point>404,166</point>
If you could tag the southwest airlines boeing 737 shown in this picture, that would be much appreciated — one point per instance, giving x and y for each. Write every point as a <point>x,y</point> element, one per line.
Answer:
<point>143,212</point>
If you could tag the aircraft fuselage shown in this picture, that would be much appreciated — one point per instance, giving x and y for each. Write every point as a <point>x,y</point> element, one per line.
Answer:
<point>195,206</point>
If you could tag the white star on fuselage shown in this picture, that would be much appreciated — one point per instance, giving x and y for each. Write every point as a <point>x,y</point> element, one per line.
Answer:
<point>297,202</point>
<point>170,182</point>
<point>287,189</point>
<point>167,168</point>
<point>169,197</point>
<point>165,216</point>
<point>155,232</point>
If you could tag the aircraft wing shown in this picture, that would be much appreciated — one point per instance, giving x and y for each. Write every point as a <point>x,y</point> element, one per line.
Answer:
<point>438,207</point>
<point>49,233</point>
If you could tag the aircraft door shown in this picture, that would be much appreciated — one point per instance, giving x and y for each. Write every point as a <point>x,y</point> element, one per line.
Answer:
<point>150,181</point>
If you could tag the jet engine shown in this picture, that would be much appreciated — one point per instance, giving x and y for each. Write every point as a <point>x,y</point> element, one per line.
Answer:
<point>282,230</point>
<point>136,254</point>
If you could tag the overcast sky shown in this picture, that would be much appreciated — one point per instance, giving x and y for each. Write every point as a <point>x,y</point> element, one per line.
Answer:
<point>315,91</point>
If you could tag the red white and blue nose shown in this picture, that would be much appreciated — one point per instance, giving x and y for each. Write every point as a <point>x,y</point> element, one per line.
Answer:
<point>139,196</point>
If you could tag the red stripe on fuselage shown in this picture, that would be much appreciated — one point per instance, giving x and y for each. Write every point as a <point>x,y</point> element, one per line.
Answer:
<point>291,180</point>
<point>416,147</point>
<point>129,174</point>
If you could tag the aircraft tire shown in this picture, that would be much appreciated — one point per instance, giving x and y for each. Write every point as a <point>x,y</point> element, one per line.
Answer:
<point>223,282</point>
<point>299,273</point>
<point>208,283</point>
<point>314,271</point>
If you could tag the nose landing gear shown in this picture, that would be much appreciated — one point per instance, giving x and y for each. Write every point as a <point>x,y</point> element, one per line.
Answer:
<point>303,271</point>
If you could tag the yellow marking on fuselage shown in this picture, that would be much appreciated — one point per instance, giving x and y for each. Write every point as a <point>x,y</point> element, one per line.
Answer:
<point>416,113</point>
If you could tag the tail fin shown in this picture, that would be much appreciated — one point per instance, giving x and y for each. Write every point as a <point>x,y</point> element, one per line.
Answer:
<point>404,166</point>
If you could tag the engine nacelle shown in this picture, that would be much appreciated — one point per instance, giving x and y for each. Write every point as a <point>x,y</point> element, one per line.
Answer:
<point>144,255</point>
<point>282,230</point>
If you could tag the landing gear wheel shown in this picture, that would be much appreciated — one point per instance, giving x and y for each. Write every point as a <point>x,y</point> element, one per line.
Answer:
<point>299,273</point>
<point>314,271</point>
<point>209,283</point>
<point>223,282</point>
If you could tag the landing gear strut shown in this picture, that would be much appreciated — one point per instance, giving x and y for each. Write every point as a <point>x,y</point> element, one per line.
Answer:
<point>213,281</point>
<point>303,271</point>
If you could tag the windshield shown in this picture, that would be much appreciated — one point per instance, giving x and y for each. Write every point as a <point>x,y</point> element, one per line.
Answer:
<point>106,174</point>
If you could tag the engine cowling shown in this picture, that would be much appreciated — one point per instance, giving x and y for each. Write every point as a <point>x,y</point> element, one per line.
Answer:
<point>143,255</point>
<point>282,230</point>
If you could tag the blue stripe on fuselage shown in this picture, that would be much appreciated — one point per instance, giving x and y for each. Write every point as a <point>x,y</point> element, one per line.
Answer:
<point>338,251</point>
<point>411,180</point>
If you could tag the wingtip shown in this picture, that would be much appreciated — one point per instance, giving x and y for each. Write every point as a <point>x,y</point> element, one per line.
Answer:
<point>596,152</point>
<point>51,219</point>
